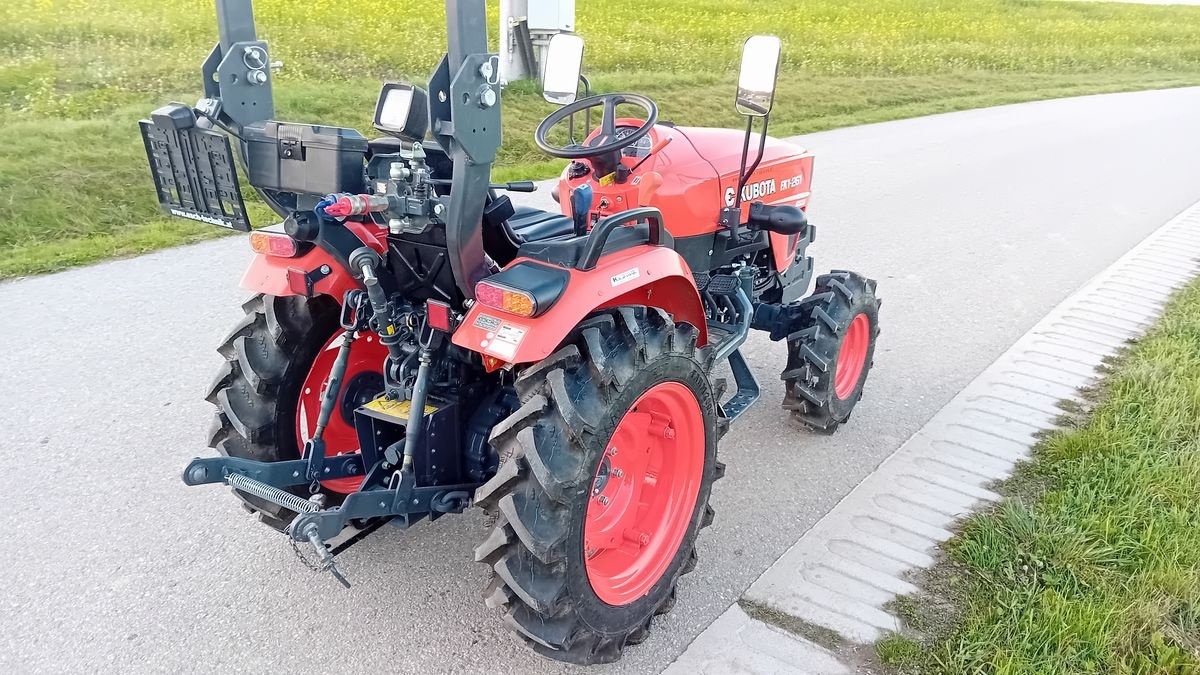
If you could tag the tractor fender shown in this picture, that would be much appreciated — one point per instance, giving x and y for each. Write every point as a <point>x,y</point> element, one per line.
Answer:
<point>322,270</point>
<point>652,276</point>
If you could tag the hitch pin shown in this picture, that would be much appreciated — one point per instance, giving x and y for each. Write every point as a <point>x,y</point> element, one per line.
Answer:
<point>323,554</point>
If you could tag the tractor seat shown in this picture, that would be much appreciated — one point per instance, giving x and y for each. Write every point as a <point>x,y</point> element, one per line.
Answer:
<point>507,228</point>
<point>532,224</point>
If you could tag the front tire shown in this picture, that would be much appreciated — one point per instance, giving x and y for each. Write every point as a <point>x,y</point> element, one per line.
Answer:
<point>831,353</point>
<point>603,484</point>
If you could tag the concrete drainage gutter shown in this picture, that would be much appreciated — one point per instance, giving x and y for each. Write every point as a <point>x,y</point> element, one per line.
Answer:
<point>828,591</point>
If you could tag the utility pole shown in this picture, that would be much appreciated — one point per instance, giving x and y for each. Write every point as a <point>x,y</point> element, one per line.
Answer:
<point>526,27</point>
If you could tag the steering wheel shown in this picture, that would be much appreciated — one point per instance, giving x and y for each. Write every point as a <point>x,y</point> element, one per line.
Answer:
<point>607,141</point>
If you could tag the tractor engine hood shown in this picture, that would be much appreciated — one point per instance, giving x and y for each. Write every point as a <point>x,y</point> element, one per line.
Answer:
<point>783,177</point>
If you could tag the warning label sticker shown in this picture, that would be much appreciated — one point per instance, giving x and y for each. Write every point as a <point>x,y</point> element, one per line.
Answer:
<point>488,323</point>
<point>508,338</point>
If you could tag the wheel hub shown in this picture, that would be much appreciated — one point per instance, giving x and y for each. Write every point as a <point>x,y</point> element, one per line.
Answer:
<point>852,357</point>
<point>644,493</point>
<point>363,381</point>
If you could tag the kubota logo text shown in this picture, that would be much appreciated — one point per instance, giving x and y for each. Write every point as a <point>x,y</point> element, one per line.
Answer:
<point>752,191</point>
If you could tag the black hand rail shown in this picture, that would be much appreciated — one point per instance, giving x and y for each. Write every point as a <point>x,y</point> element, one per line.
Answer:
<point>659,236</point>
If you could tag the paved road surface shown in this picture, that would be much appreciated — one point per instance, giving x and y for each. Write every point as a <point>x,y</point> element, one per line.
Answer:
<point>974,223</point>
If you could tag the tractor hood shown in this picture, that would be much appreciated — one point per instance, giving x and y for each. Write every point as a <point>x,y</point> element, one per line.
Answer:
<point>783,177</point>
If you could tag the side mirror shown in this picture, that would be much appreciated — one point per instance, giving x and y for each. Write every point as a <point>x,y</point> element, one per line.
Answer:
<point>402,111</point>
<point>760,69</point>
<point>560,75</point>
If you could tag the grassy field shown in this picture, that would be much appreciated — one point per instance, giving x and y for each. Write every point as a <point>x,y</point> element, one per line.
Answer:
<point>1093,563</point>
<point>75,75</point>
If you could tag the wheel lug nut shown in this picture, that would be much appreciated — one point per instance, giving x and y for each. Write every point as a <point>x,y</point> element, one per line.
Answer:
<point>603,500</point>
<point>618,473</point>
<point>668,432</point>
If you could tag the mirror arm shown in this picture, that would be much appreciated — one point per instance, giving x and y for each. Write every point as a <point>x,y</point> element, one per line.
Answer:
<point>762,146</point>
<point>737,199</point>
<point>587,91</point>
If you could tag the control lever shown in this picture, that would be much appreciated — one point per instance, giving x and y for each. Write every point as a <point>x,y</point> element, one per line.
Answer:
<point>654,150</point>
<point>515,186</point>
<point>581,204</point>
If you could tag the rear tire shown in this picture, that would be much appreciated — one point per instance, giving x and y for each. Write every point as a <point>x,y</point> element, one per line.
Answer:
<point>831,354</point>
<point>553,451</point>
<point>267,357</point>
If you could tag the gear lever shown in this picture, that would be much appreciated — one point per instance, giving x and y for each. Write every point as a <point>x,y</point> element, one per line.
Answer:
<point>581,204</point>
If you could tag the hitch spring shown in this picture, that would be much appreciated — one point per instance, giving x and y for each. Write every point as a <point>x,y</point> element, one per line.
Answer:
<point>272,494</point>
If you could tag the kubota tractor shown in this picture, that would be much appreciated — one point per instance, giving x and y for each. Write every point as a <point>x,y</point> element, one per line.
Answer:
<point>417,345</point>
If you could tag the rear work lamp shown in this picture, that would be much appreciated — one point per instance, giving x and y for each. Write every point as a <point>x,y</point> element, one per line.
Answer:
<point>402,111</point>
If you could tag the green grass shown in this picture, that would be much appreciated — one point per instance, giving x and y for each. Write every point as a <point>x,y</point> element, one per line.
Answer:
<point>75,75</point>
<point>1092,564</point>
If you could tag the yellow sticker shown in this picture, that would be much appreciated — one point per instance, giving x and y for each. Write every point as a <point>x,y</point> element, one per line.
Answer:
<point>609,179</point>
<point>395,408</point>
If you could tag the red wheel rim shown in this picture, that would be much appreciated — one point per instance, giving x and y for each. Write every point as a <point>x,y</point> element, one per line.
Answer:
<point>852,357</point>
<point>644,493</point>
<point>366,358</point>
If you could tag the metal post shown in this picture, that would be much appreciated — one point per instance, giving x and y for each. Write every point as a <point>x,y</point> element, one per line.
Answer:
<point>538,20</point>
<point>235,22</point>
<point>469,125</point>
<point>512,63</point>
<point>466,27</point>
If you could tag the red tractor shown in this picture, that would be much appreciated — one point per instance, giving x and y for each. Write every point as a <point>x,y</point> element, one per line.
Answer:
<point>416,345</point>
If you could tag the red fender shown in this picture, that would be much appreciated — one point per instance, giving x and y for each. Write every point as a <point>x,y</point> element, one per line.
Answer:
<point>274,275</point>
<point>643,275</point>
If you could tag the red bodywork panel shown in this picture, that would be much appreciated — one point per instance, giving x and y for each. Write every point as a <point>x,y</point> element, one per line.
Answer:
<point>643,275</point>
<point>270,274</point>
<point>694,176</point>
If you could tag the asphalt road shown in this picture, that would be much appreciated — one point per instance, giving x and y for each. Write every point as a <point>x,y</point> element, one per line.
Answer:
<point>974,223</point>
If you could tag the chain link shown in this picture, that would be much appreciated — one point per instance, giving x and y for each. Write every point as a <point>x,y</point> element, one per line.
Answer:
<point>303,558</point>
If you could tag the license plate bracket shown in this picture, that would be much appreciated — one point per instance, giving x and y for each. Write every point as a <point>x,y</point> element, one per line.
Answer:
<point>194,171</point>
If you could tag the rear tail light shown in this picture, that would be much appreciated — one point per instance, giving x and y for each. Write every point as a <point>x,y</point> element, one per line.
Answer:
<point>505,299</point>
<point>278,245</point>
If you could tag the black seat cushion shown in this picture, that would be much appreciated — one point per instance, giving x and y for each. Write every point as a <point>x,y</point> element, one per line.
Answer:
<point>568,251</point>
<point>536,225</point>
<point>506,228</point>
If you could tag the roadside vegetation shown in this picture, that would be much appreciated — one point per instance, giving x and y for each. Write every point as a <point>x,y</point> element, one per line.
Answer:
<point>1092,564</point>
<point>75,75</point>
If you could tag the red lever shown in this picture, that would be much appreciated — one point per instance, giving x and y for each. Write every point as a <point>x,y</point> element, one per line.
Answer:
<point>655,148</point>
<point>660,145</point>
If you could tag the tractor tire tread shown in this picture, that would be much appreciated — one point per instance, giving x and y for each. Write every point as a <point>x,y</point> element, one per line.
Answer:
<point>537,482</point>
<point>813,346</point>
<point>249,420</point>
